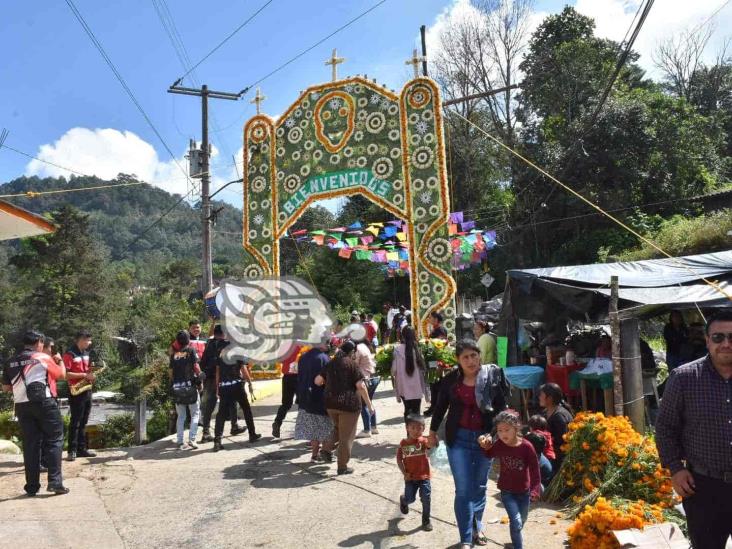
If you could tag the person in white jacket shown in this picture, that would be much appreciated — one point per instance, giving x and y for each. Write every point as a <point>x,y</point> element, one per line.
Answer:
<point>408,372</point>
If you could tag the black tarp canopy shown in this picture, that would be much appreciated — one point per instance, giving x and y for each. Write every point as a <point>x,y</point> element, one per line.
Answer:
<point>646,288</point>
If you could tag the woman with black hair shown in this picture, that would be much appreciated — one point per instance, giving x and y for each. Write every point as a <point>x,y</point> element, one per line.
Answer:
<point>345,390</point>
<point>559,415</point>
<point>471,396</point>
<point>408,370</point>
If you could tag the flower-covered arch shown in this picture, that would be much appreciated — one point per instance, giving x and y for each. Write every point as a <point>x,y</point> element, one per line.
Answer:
<point>347,137</point>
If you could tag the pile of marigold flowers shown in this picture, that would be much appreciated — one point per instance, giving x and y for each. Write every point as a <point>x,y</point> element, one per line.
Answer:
<point>594,526</point>
<point>610,468</point>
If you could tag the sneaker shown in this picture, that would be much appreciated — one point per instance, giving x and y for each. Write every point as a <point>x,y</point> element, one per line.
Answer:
<point>276,430</point>
<point>236,430</point>
<point>71,456</point>
<point>364,434</point>
<point>427,412</point>
<point>217,445</point>
<point>58,490</point>
<point>183,446</point>
<point>326,456</point>
<point>346,471</point>
<point>206,438</point>
<point>403,507</point>
<point>86,454</point>
<point>427,526</point>
<point>192,444</point>
<point>31,494</point>
<point>374,431</point>
<point>255,437</point>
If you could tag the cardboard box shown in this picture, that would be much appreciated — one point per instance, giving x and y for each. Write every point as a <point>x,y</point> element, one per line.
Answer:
<point>666,535</point>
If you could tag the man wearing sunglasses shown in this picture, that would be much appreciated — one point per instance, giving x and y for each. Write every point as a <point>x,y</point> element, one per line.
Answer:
<point>694,436</point>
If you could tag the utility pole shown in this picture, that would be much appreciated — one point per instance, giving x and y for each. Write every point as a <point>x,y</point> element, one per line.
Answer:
<point>615,334</point>
<point>204,93</point>
<point>423,34</point>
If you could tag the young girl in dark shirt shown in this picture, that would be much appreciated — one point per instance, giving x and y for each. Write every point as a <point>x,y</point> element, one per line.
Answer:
<point>520,480</point>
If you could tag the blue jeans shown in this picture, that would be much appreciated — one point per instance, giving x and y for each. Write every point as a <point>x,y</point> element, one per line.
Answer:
<point>517,509</point>
<point>545,467</point>
<point>425,495</point>
<point>180,409</point>
<point>470,468</point>
<point>369,420</point>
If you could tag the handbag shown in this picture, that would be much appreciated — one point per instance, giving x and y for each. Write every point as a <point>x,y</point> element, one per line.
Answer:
<point>36,391</point>
<point>185,394</point>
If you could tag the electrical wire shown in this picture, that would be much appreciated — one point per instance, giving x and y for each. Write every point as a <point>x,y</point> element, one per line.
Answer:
<point>315,45</point>
<point>569,189</point>
<point>4,146</point>
<point>228,37</point>
<point>34,194</point>
<point>123,83</point>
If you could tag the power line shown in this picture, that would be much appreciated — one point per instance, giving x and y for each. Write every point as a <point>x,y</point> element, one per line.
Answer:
<point>4,146</point>
<point>158,220</point>
<point>315,45</point>
<point>237,29</point>
<point>33,194</point>
<point>123,83</point>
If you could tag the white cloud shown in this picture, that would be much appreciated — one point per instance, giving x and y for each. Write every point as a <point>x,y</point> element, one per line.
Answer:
<point>108,152</point>
<point>666,19</point>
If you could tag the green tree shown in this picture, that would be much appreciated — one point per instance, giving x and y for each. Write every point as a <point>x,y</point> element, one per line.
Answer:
<point>67,272</point>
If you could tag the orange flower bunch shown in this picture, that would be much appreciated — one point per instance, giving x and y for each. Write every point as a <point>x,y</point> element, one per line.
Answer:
<point>604,456</point>
<point>593,527</point>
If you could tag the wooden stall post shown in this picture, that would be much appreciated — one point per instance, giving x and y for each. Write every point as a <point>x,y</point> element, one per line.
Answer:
<point>632,373</point>
<point>617,366</point>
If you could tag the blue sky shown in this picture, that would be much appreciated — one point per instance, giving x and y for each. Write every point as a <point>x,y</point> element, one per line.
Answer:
<point>58,94</point>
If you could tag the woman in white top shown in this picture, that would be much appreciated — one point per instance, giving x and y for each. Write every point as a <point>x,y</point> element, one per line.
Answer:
<point>408,371</point>
<point>367,365</point>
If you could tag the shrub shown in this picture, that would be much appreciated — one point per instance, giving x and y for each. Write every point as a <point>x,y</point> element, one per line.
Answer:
<point>119,430</point>
<point>157,425</point>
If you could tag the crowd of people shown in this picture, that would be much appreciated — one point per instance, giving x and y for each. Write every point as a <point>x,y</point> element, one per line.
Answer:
<point>334,382</point>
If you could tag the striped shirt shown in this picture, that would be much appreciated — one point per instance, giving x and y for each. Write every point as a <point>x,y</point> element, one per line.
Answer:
<point>695,420</point>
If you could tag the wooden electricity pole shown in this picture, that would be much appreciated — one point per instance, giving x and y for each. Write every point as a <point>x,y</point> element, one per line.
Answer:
<point>617,365</point>
<point>204,93</point>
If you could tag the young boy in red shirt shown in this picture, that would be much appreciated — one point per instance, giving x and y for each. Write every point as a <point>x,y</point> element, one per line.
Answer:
<point>414,463</point>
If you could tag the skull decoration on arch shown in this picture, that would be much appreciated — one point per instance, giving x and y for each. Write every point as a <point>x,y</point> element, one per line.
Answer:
<point>334,115</point>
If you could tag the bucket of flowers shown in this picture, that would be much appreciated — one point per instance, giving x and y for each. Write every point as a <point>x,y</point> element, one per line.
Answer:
<point>439,356</point>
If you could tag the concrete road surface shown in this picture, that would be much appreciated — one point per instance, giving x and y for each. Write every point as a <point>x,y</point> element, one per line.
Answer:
<point>261,495</point>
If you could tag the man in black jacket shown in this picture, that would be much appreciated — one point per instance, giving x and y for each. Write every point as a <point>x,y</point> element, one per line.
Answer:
<point>210,357</point>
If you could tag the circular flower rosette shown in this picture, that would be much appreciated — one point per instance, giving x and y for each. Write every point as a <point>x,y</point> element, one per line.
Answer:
<point>258,184</point>
<point>253,271</point>
<point>291,183</point>
<point>439,250</point>
<point>419,96</point>
<point>258,132</point>
<point>382,168</point>
<point>422,158</point>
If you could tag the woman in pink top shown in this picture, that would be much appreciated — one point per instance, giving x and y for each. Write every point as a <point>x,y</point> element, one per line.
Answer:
<point>408,371</point>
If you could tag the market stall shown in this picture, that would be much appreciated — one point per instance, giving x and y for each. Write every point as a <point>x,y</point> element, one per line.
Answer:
<point>540,304</point>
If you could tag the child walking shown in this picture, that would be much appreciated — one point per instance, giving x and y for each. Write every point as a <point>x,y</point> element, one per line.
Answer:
<point>414,463</point>
<point>520,480</point>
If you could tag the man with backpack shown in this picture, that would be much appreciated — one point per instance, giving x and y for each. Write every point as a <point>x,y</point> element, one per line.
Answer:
<point>31,376</point>
<point>209,360</point>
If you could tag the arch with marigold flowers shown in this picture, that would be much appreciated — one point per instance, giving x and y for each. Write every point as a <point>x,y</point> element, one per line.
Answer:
<point>348,137</point>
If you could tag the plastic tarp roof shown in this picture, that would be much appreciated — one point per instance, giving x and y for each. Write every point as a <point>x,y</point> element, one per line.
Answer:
<point>645,287</point>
